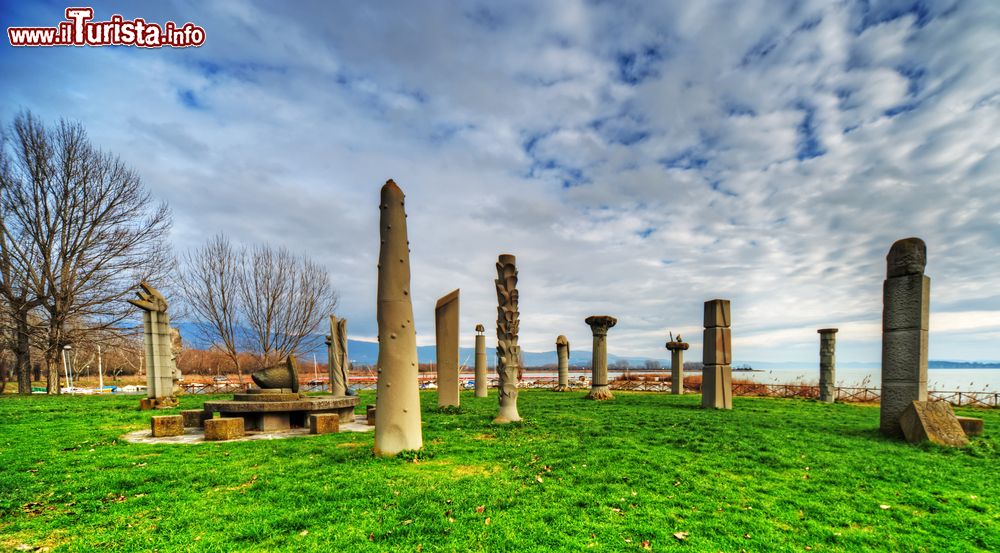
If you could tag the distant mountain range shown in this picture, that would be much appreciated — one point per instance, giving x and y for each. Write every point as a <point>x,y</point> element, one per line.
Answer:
<point>366,353</point>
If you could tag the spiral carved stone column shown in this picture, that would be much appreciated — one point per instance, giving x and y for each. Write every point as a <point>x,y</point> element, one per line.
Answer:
<point>508,352</point>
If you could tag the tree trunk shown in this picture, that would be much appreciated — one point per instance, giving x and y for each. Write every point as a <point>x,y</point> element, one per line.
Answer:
<point>51,376</point>
<point>22,356</point>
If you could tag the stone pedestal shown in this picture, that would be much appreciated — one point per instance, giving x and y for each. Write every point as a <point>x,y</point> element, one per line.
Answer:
<point>168,425</point>
<point>223,429</point>
<point>676,348</point>
<point>324,423</point>
<point>481,366</point>
<point>562,357</point>
<point>599,388</point>
<point>446,332</point>
<point>905,316</point>
<point>827,364</point>
<point>717,355</point>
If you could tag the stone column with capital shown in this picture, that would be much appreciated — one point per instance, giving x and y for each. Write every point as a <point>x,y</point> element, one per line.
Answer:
<point>827,364</point>
<point>481,369</point>
<point>599,388</point>
<point>717,354</point>
<point>562,355</point>
<point>676,348</point>
<point>906,299</point>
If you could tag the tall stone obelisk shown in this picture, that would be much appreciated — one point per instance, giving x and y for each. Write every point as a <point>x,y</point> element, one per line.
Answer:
<point>397,422</point>
<point>337,359</point>
<point>481,369</point>
<point>717,354</point>
<point>446,332</point>
<point>562,356</point>
<point>161,371</point>
<point>600,389</point>
<point>906,300</point>
<point>676,349</point>
<point>827,364</point>
<point>508,352</point>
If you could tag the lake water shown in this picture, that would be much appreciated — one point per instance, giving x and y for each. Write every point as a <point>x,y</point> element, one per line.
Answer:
<point>966,380</point>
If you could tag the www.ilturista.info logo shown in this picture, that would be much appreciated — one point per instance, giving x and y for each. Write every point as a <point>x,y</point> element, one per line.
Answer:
<point>79,30</point>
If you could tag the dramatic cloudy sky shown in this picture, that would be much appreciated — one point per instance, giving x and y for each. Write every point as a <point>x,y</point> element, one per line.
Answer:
<point>639,157</point>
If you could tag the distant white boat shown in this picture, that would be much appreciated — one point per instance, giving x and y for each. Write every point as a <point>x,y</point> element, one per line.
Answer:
<point>132,389</point>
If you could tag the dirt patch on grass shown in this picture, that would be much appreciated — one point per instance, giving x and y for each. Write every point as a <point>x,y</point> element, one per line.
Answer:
<point>484,437</point>
<point>350,444</point>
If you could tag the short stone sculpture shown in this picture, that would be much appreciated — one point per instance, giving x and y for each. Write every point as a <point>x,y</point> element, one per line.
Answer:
<point>508,352</point>
<point>337,357</point>
<point>161,371</point>
<point>600,390</point>
<point>397,426</point>
<point>283,376</point>
<point>827,364</point>
<point>906,298</point>
<point>717,355</point>
<point>676,349</point>
<point>446,332</point>
<point>481,377</point>
<point>562,355</point>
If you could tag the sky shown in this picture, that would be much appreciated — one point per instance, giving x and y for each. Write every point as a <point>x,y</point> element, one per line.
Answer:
<point>639,158</point>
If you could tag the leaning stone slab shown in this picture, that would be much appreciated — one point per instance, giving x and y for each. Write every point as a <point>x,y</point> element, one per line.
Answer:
<point>324,423</point>
<point>933,421</point>
<point>195,418</point>
<point>225,428</point>
<point>971,425</point>
<point>167,425</point>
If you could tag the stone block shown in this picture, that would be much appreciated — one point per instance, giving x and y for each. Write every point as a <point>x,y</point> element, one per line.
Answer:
<point>370,415</point>
<point>717,387</point>
<point>167,425</point>
<point>717,314</point>
<point>324,423</point>
<point>896,396</point>
<point>904,356</point>
<point>147,404</point>
<point>971,425</point>
<point>906,303</point>
<point>225,428</point>
<point>717,346</point>
<point>195,418</point>
<point>933,421</point>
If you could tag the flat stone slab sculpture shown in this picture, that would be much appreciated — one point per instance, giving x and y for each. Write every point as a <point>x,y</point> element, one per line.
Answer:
<point>337,357</point>
<point>446,333</point>
<point>481,367</point>
<point>562,357</point>
<point>932,421</point>
<point>905,321</point>
<point>169,425</point>
<point>827,364</point>
<point>284,375</point>
<point>717,354</point>
<point>508,325</point>
<point>397,427</point>
<point>158,340</point>
<point>677,348</point>
<point>600,389</point>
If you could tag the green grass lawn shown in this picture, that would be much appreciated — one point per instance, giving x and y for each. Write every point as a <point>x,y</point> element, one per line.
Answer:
<point>624,475</point>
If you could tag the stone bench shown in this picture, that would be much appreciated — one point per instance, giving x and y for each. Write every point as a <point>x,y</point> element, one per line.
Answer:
<point>223,429</point>
<point>324,423</point>
<point>971,425</point>
<point>167,425</point>
<point>195,418</point>
<point>282,415</point>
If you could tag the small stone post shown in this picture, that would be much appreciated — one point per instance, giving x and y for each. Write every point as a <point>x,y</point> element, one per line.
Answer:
<point>446,333</point>
<point>397,425</point>
<point>337,360</point>
<point>599,325</point>
<point>827,364</point>
<point>481,376</point>
<point>717,354</point>
<point>508,352</point>
<point>161,372</point>
<point>562,355</point>
<point>676,348</point>
<point>906,298</point>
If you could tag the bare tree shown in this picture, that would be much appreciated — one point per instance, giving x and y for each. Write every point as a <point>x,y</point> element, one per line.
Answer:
<point>85,230</point>
<point>264,300</point>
